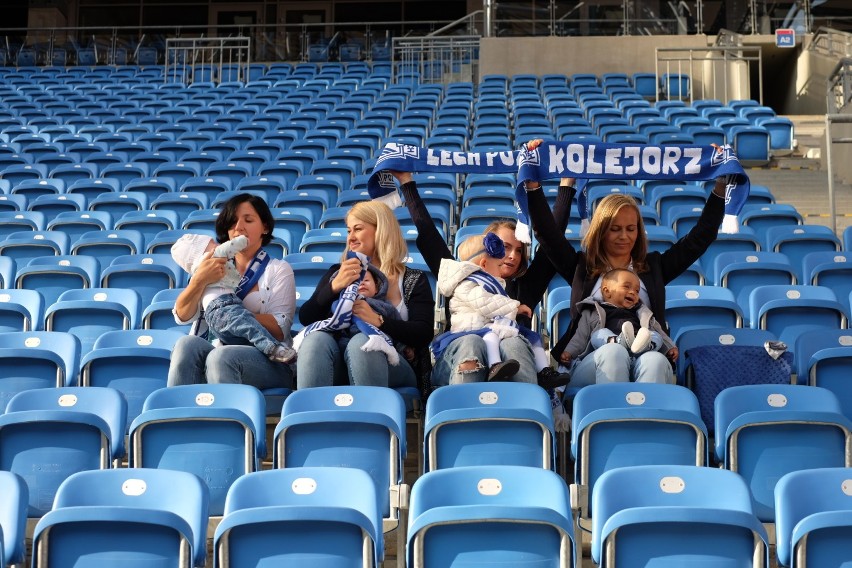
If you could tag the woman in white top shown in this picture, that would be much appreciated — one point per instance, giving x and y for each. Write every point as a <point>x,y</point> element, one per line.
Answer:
<point>269,293</point>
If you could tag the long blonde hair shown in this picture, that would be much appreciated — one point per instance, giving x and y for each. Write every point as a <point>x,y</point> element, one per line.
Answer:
<point>606,210</point>
<point>390,247</point>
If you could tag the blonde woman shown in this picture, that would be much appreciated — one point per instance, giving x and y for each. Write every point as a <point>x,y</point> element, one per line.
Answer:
<point>374,231</point>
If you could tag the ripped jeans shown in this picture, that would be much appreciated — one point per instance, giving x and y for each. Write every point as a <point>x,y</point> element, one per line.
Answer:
<point>472,348</point>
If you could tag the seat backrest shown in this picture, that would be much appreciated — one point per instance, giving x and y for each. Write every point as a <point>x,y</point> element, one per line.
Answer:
<point>813,507</point>
<point>713,507</point>
<point>123,498</point>
<point>21,310</point>
<point>334,426</point>
<point>13,518</point>
<point>216,431</point>
<point>495,514</point>
<point>489,423</point>
<point>789,310</point>
<point>319,505</point>
<point>629,424</point>
<point>762,432</point>
<point>37,359</point>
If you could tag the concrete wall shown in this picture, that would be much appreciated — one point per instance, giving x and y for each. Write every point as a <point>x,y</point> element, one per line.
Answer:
<point>623,54</point>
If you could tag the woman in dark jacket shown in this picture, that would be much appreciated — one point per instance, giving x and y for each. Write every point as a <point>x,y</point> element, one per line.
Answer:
<point>616,239</point>
<point>462,361</point>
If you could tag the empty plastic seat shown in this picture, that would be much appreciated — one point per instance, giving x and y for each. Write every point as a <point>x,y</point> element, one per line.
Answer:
<point>676,515</point>
<point>53,275</point>
<point>147,274</point>
<point>356,426</point>
<point>694,307</point>
<point>217,431</point>
<point>812,510</point>
<point>766,431</point>
<point>13,518</point>
<point>788,311</point>
<point>70,428</point>
<point>491,515</point>
<point>632,424</point>
<point>21,310</point>
<point>131,517</point>
<point>134,362</point>
<point>489,424</point>
<point>822,360</point>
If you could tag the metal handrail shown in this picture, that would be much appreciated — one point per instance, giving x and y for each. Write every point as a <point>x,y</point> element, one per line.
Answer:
<point>466,19</point>
<point>831,42</point>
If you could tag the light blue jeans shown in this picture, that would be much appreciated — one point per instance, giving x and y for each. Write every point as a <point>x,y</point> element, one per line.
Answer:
<point>612,363</point>
<point>195,360</point>
<point>472,348</point>
<point>321,363</point>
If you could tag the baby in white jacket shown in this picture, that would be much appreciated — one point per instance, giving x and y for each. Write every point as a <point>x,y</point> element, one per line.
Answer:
<point>478,299</point>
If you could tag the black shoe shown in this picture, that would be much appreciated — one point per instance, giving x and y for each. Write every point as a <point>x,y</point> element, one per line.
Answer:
<point>504,370</point>
<point>550,378</point>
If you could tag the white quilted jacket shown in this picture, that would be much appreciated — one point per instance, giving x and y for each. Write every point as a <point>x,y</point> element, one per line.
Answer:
<point>471,307</point>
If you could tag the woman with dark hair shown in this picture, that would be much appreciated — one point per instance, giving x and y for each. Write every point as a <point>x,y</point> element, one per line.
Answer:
<point>463,361</point>
<point>267,290</point>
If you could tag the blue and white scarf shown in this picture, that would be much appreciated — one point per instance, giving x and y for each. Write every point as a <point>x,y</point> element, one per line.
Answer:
<point>581,160</point>
<point>492,286</point>
<point>342,318</point>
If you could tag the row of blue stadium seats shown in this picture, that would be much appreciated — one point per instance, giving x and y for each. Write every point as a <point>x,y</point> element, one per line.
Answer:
<point>736,502</point>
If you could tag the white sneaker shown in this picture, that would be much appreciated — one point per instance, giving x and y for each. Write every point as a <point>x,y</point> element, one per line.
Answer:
<point>642,341</point>
<point>627,335</point>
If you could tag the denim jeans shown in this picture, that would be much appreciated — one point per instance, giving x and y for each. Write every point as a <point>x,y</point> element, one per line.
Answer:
<point>472,348</point>
<point>233,324</point>
<point>612,363</point>
<point>195,360</point>
<point>322,362</point>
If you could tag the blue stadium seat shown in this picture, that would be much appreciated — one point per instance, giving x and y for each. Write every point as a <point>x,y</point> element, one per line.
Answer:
<point>323,240</point>
<point>812,511</point>
<point>696,307</point>
<point>797,241</point>
<point>489,424</point>
<point>491,515</point>
<point>632,424</point>
<point>129,516</point>
<point>766,431</point>
<point>822,358</point>
<point>676,513</point>
<point>284,516</point>
<point>216,431</point>
<point>72,428</point>
<point>134,362</point>
<point>106,246</point>
<point>117,204</point>
<point>787,311</point>
<point>354,426</point>
<point>742,272</point>
<point>90,312</point>
<point>14,221</point>
<point>21,310</point>
<point>23,246</point>
<point>75,223</point>
<point>158,314</point>
<point>147,274</point>
<point>13,518</point>
<point>832,270</point>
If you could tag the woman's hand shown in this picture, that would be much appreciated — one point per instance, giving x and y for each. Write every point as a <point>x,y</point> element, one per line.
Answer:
<point>349,271</point>
<point>401,177</point>
<point>524,311</point>
<point>210,269</point>
<point>565,357</point>
<point>533,144</point>
<point>363,310</point>
<point>722,181</point>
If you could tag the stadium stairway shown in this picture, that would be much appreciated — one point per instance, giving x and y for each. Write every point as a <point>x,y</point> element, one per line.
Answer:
<point>801,179</point>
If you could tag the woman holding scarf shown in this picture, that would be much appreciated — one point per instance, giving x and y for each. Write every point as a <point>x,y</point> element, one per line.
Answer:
<point>267,289</point>
<point>374,232</point>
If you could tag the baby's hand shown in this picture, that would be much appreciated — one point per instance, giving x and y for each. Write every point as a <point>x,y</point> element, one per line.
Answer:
<point>524,311</point>
<point>565,357</point>
<point>673,354</point>
<point>408,353</point>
